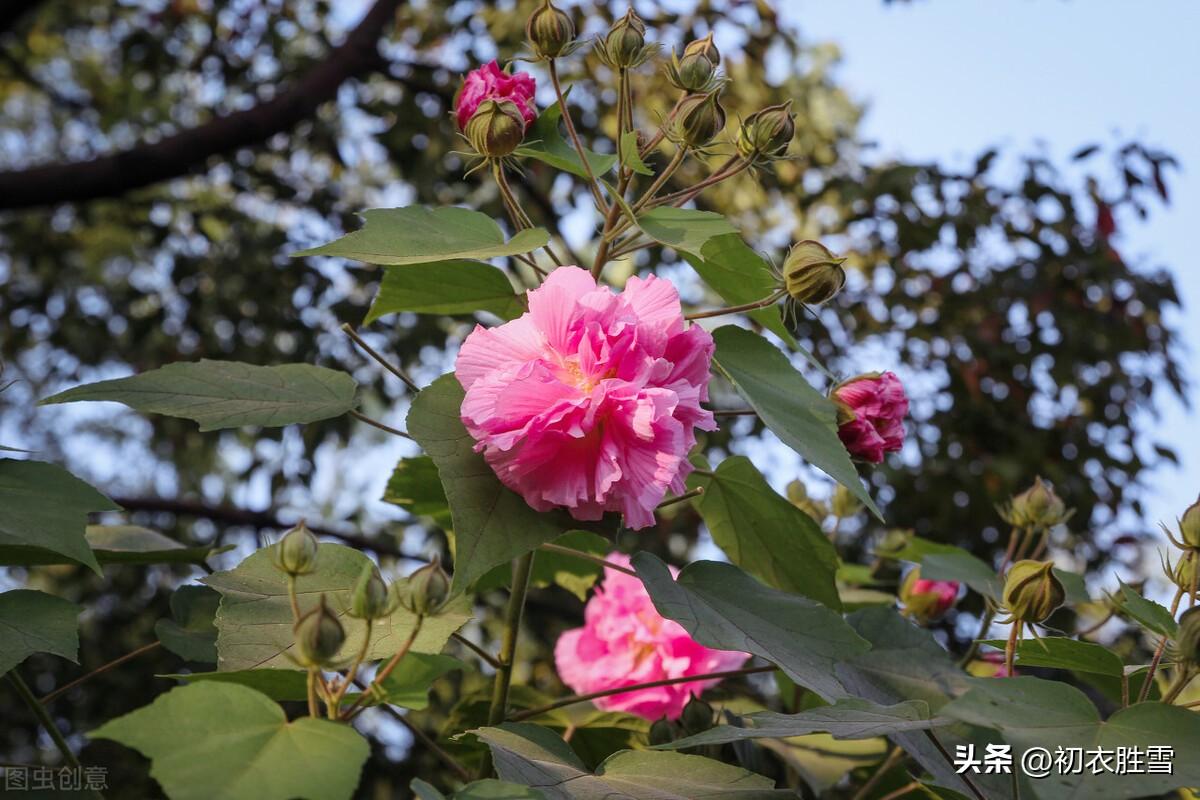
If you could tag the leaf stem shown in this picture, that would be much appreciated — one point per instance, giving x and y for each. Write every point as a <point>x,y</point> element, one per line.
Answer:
<point>312,691</point>
<point>679,498</point>
<point>717,312</point>
<point>293,599</point>
<point>361,417</point>
<point>727,170</point>
<point>662,129</point>
<point>735,412</point>
<point>43,717</point>
<point>116,662</point>
<point>583,698</point>
<point>595,559</point>
<point>490,659</point>
<point>335,701</point>
<point>449,760</point>
<point>384,671</point>
<point>985,622</point>
<point>383,362</point>
<point>593,184</point>
<point>894,757</point>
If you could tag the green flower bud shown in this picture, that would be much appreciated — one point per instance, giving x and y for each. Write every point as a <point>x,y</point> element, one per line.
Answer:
<point>296,552</point>
<point>699,119</point>
<point>1032,591</point>
<point>1186,647</point>
<point>371,598</point>
<point>428,589</point>
<point>696,69</point>
<point>697,716</point>
<point>662,732</point>
<point>1036,507</point>
<point>798,495</point>
<point>549,30</point>
<point>812,274</point>
<point>1184,574</point>
<point>496,128</point>
<point>767,133</point>
<point>319,636</point>
<point>844,504</point>
<point>625,41</point>
<point>1189,525</point>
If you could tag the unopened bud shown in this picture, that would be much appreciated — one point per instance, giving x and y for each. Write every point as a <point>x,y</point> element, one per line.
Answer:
<point>812,274</point>
<point>661,732</point>
<point>767,133</point>
<point>697,716</point>
<point>695,70</point>
<point>1036,507</point>
<point>1189,525</point>
<point>927,600</point>
<point>428,589</point>
<point>699,119</point>
<point>496,128</point>
<point>1186,646</point>
<point>296,552</point>
<point>1032,591</point>
<point>371,599</point>
<point>1184,574</point>
<point>844,504</point>
<point>798,495</point>
<point>549,30</point>
<point>319,636</point>
<point>625,42</point>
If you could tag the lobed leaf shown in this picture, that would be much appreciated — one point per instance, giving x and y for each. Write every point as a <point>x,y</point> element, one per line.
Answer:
<point>36,622</point>
<point>446,287</point>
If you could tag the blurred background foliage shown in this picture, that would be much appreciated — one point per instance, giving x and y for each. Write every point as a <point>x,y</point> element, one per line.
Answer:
<point>1030,345</point>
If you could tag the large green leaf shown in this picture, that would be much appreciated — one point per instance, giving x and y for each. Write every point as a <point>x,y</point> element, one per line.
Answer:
<point>803,418</point>
<point>446,287</point>
<point>492,524</point>
<point>849,718</point>
<point>765,534</point>
<point>416,487</point>
<point>254,621</point>
<point>45,507</point>
<point>545,142</point>
<point>535,756</point>
<point>420,235</point>
<point>740,276</point>
<point>964,567</point>
<point>191,632</point>
<point>1060,652</point>
<point>487,789</point>
<point>227,394</point>
<point>1031,712</point>
<point>36,622</point>
<point>575,574</point>
<point>117,544</point>
<point>684,229</point>
<point>220,740</point>
<point>723,607</point>
<point>1145,612</point>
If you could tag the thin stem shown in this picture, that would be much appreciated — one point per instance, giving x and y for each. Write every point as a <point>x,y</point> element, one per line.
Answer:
<point>736,412</point>
<point>335,702</point>
<point>662,129</point>
<point>679,498</point>
<point>116,662</point>
<point>1124,689</point>
<point>932,737</point>
<point>660,179</point>
<point>312,691</point>
<point>1030,535</point>
<point>1088,631</point>
<point>903,790</point>
<point>733,166</point>
<point>433,747</point>
<point>894,757</point>
<point>293,599</point>
<point>567,551</point>
<point>384,672</point>
<point>1040,550</point>
<point>490,659</point>
<point>522,567</point>
<point>593,184</point>
<point>1013,538</point>
<point>985,622</point>
<point>1181,681</point>
<point>1010,647</point>
<point>361,417</point>
<point>516,213</point>
<point>392,368</point>
<point>1158,652</point>
<point>717,312</point>
<point>43,717</point>
<point>583,698</point>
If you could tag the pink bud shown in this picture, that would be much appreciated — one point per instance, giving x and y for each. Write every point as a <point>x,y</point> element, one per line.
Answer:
<point>872,410</point>
<point>489,82</point>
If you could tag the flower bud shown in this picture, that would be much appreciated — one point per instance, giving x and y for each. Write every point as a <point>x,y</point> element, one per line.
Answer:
<point>797,494</point>
<point>296,552</point>
<point>496,128</point>
<point>1036,507</point>
<point>812,274</point>
<point>371,599</point>
<point>319,636</point>
<point>696,69</point>
<point>767,133</point>
<point>844,504</point>
<point>625,41</point>
<point>697,716</point>
<point>549,30</point>
<point>1032,591</point>
<point>1186,646</point>
<point>428,589</point>
<point>699,119</point>
<point>926,600</point>
<point>1189,525</point>
<point>661,732</point>
<point>1184,573</point>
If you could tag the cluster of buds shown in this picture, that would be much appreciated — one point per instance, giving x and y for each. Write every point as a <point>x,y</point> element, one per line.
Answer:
<point>927,600</point>
<point>1036,508</point>
<point>624,46</point>
<point>695,71</point>
<point>1032,591</point>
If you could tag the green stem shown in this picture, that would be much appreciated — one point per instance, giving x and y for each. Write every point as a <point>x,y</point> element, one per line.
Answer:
<point>727,170</point>
<point>335,701</point>
<point>1181,681</point>
<point>291,587</point>
<point>521,569</point>
<point>1158,653</point>
<point>361,417</point>
<point>386,670</point>
<point>567,551</point>
<point>312,691</point>
<point>985,622</point>
<point>593,184</point>
<point>717,312</point>
<point>44,718</point>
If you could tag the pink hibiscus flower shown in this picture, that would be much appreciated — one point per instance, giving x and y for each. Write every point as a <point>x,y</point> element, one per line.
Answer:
<point>489,82</point>
<point>590,400</point>
<point>624,641</point>
<point>873,410</point>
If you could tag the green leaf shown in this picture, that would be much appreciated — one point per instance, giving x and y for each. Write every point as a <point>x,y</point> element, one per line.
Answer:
<point>277,684</point>
<point>36,622</point>
<point>487,789</point>
<point>740,276</point>
<point>630,155</point>
<point>545,143</point>
<point>227,394</point>
<point>724,608</point>
<point>254,621</point>
<point>416,487</point>
<point>850,718</point>
<point>765,534</point>
<point>117,544</point>
<point>1031,712</point>
<point>576,575</point>
<point>43,506</point>
<point>1147,613</point>
<point>492,524</point>
<point>804,419</point>
<point>446,287</point>
<point>408,686</point>
<point>915,549</point>
<point>965,568</point>
<point>421,235</point>
<point>239,745</point>
<point>191,633</point>
<point>683,229</point>
<point>537,757</point>
<point>1060,652</point>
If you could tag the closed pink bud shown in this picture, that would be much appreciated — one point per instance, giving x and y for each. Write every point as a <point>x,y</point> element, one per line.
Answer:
<point>489,82</point>
<point>872,409</point>
<point>927,600</point>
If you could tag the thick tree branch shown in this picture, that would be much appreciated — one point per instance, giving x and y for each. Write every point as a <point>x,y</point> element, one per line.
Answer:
<point>173,156</point>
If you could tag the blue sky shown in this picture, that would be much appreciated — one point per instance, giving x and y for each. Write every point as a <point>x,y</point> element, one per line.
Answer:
<point>944,80</point>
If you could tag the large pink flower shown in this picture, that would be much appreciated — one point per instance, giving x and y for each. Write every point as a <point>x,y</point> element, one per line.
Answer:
<point>624,641</point>
<point>489,82</point>
<point>874,407</point>
<point>589,400</point>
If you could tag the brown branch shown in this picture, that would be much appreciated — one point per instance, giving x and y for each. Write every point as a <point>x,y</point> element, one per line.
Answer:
<point>173,156</point>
